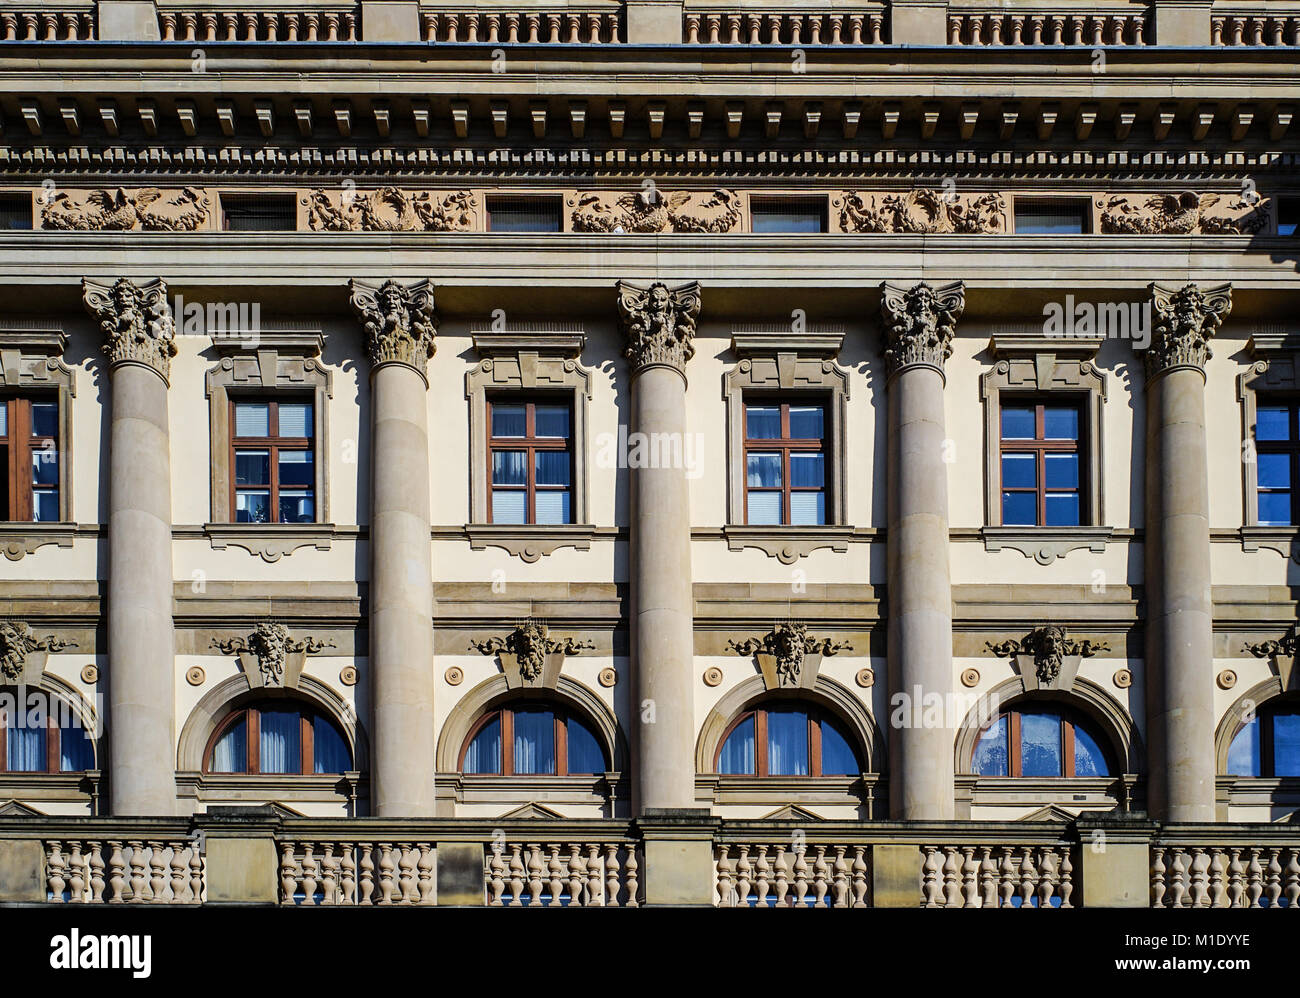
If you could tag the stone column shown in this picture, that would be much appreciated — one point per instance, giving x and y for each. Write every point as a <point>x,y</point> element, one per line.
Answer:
<point>659,325</point>
<point>1179,624</point>
<point>399,328</point>
<point>919,324</point>
<point>139,339</point>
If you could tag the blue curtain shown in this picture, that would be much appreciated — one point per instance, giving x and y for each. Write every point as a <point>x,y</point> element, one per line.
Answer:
<point>787,743</point>
<point>230,755</point>
<point>76,749</point>
<point>484,752</point>
<point>280,746</point>
<point>534,741</point>
<point>838,757</point>
<point>737,756</point>
<point>585,755</point>
<point>26,745</point>
<point>329,748</point>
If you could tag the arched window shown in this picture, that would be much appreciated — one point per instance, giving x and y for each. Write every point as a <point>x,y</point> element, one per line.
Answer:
<point>44,737</point>
<point>1040,742</point>
<point>1268,744</point>
<point>277,737</point>
<point>532,741</point>
<point>793,740</point>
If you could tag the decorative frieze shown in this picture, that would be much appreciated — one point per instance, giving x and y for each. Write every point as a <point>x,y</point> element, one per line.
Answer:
<point>151,209</point>
<point>650,210</point>
<point>22,653</point>
<point>390,209</point>
<point>658,323</point>
<point>208,25</point>
<point>1184,322</point>
<point>922,211</point>
<point>1047,657</point>
<point>270,657</point>
<point>136,321</point>
<point>1182,214</point>
<point>400,321</point>
<point>920,322</point>
<point>529,656</point>
<point>787,655</point>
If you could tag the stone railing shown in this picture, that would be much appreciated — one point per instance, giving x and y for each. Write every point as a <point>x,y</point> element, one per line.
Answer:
<point>47,26</point>
<point>158,862</point>
<point>319,872</point>
<point>998,876</point>
<point>792,875</point>
<point>1040,28</point>
<point>580,874</point>
<point>763,27</point>
<point>1254,29</point>
<point>1196,867</point>
<point>599,25</point>
<point>315,25</point>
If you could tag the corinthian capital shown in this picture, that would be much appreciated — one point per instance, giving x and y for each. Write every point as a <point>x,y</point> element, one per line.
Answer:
<point>658,323</point>
<point>136,322</point>
<point>919,323</point>
<point>1184,322</point>
<point>400,322</point>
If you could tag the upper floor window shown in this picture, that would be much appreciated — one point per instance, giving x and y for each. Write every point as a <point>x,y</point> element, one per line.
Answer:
<point>524,214</point>
<point>258,212</point>
<point>42,740</point>
<point>1268,744</point>
<point>1051,216</point>
<point>787,741</point>
<point>29,453</point>
<point>1040,464</point>
<point>532,741</point>
<point>1277,446</point>
<point>277,737</point>
<point>1041,743</point>
<point>273,457</point>
<point>787,214</point>
<point>530,453</point>
<point>785,463</point>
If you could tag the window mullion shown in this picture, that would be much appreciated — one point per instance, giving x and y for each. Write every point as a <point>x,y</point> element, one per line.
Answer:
<point>507,743</point>
<point>1013,744</point>
<point>253,749</point>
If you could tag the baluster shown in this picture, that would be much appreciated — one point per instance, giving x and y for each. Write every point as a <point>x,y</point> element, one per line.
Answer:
<point>116,873</point>
<point>157,873</point>
<point>800,883</point>
<point>196,872</point>
<point>1200,878</point>
<point>309,871</point>
<point>954,30</point>
<point>556,874</point>
<point>633,885</point>
<point>930,892</point>
<point>1292,889</point>
<point>1236,879</point>
<point>1028,877</point>
<point>1047,877</point>
<point>1007,877</point>
<point>1218,891</point>
<point>1274,889</point>
<point>96,863</point>
<point>951,878</point>
<point>55,866</point>
<point>138,881</point>
<point>496,876</point>
<point>970,879</point>
<point>76,874</point>
<point>180,873</point>
<point>424,873</point>
<point>1067,878</point>
<point>329,868</point>
<point>348,875</point>
<point>516,876</point>
<point>406,873</point>
<point>995,29</point>
<point>763,869</point>
<point>723,877</point>
<point>534,875</point>
<point>386,867</point>
<point>577,876</point>
<point>595,877</point>
<point>860,884</point>
<point>1216,31</point>
<point>1158,885</point>
<point>988,878</point>
<point>782,869</point>
<point>367,872</point>
<point>820,874</point>
<point>534,28</point>
<point>611,877</point>
<point>1177,877</point>
<point>840,878</point>
<point>1255,878</point>
<point>744,881</point>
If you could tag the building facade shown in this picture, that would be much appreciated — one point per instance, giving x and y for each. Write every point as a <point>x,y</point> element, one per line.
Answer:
<point>645,452</point>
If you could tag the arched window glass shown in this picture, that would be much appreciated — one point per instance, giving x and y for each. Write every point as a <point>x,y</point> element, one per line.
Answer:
<point>42,737</point>
<point>532,741</point>
<point>787,741</point>
<point>1042,743</point>
<point>1267,745</point>
<point>278,738</point>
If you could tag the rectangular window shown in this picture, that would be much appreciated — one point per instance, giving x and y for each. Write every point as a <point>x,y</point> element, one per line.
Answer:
<point>258,213</point>
<point>800,214</point>
<point>1277,453</point>
<point>1051,216</point>
<point>785,463</point>
<point>530,461</point>
<point>273,463</point>
<point>15,211</point>
<point>1041,464</point>
<point>29,454</point>
<point>1288,216</point>
<point>524,214</point>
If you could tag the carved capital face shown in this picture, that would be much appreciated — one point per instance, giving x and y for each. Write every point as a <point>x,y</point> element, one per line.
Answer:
<point>920,322</point>
<point>658,323</point>
<point>136,321</point>
<point>400,322</point>
<point>17,642</point>
<point>1185,321</point>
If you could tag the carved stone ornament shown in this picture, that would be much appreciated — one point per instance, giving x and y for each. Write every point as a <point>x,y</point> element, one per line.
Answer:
<point>920,322</point>
<point>529,656</point>
<point>116,210</point>
<point>390,209</point>
<point>1182,214</point>
<point>650,210</point>
<point>658,323</point>
<point>1184,322</point>
<point>1047,657</point>
<point>1280,653</point>
<point>922,211</point>
<point>787,655</point>
<point>269,656</point>
<point>400,321</point>
<point>136,321</point>
<point>22,654</point>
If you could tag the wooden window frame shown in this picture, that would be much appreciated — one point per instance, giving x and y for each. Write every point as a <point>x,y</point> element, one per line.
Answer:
<point>253,733</point>
<point>1040,447</point>
<point>53,748</point>
<point>530,443</point>
<point>1015,761</point>
<point>273,444</point>
<point>786,445</point>
<point>560,720</point>
<point>18,446</point>
<point>761,761</point>
<point>1290,447</point>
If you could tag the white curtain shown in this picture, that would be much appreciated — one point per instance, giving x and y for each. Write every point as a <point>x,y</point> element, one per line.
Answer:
<point>280,745</point>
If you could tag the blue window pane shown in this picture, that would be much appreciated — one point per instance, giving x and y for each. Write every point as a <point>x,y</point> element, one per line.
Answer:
<point>763,422</point>
<point>787,743</point>
<point>252,507</point>
<point>295,419</point>
<point>45,466</point>
<point>297,506</point>
<point>1060,424</point>
<point>764,508</point>
<point>1274,471</point>
<point>1061,471</point>
<point>509,506</point>
<point>1040,745</point>
<point>252,467</point>
<point>509,467</point>
<point>297,469</point>
<point>329,748</point>
<point>806,422</point>
<point>763,470</point>
<point>1019,471</point>
<point>484,753</point>
<point>252,419</point>
<point>280,744</point>
<point>1018,424</point>
<point>990,758</point>
<point>1286,745</point>
<point>4,418</point>
<point>585,755</point>
<point>738,756</point>
<point>838,757</point>
<point>45,419</point>
<point>45,505</point>
<point>807,508</point>
<point>552,507</point>
<point>76,749</point>
<point>534,741</point>
<point>509,420</point>
<point>1062,509</point>
<point>552,467</point>
<point>25,742</point>
<point>807,470</point>
<point>1274,509</point>
<point>1019,509</point>
<point>230,755</point>
<point>552,421</point>
<point>1272,422</point>
<point>1243,753</point>
<point>1089,759</point>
